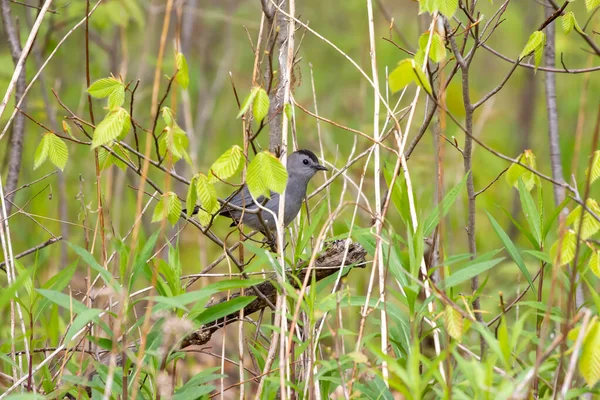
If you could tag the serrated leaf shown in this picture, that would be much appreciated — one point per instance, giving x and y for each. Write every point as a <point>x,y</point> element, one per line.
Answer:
<point>41,152</point>
<point>265,174</point>
<point>168,116</point>
<point>173,208</point>
<point>169,206</point>
<point>159,210</point>
<point>204,217</point>
<point>595,170</point>
<point>104,87</point>
<point>261,105</point>
<point>590,224</point>
<point>453,322</point>
<point>183,77</point>
<point>448,7</point>
<point>595,263</point>
<point>568,22</point>
<point>538,53</point>
<point>437,50</point>
<point>207,194</point>
<point>590,5</point>
<point>57,151</point>
<point>111,127</point>
<point>567,251</point>
<point>535,41</point>
<point>176,142</point>
<point>117,97</point>
<point>191,198</point>
<point>589,362</point>
<point>248,101</point>
<point>227,165</point>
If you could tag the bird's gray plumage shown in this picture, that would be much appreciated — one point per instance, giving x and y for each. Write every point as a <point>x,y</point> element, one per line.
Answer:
<point>302,165</point>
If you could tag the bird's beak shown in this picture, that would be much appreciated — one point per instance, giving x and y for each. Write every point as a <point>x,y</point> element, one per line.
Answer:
<point>320,167</point>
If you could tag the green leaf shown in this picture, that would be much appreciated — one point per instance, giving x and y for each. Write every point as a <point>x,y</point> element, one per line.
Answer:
<point>589,362</point>
<point>182,77</point>
<point>207,194</point>
<point>464,274</point>
<point>265,174</point>
<point>448,7</point>
<point>106,158</point>
<point>590,224</point>
<point>510,247</point>
<point>535,40</point>
<point>66,302</point>
<point>57,151</point>
<point>191,198</point>
<point>568,22</point>
<point>116,98</point>
<point>595,170</point>
<point>261,105</point>
<point>434,218</point>
<point>437,50</point>
<point>567,251</point>
<point>168,116</point>
<point>248,101</point>
<point>531,212</point>
<point>407,71</point>
<point>222,309</point>
<point>453,321</point>
<point>104,87</point>
<point>115,124</point>
<point>227,165</point>
<point>595,263</point>
<point>401,76</point>
<point>535,44</point>
<point>516,171</point>
<point>169,206</point>
<point>176,142</point>
<point>590,5</point>
<point>41,152</point>
<point>91,261</point>
<point>82,320</point>
<point>57,282</point>
<point>287,109</point>
<point>173,208</point>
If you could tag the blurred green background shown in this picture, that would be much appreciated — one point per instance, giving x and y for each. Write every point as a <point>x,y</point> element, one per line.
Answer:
<point>215,39</point>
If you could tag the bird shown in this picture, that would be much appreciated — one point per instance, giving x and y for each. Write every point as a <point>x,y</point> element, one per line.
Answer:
<point>302,165</point>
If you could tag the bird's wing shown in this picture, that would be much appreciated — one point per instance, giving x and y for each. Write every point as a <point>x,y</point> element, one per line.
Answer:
<point>242,198</point>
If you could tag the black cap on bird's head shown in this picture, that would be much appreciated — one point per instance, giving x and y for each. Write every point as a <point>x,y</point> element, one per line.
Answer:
<point>304,161</point>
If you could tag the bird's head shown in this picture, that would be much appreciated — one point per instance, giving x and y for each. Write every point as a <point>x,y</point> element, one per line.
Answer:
<point>304,164</point>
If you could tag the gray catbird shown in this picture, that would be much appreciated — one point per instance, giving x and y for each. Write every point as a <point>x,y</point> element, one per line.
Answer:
<point>302,165</point>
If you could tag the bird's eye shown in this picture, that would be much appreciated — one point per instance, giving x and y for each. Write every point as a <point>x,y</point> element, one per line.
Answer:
<point>305,161</point>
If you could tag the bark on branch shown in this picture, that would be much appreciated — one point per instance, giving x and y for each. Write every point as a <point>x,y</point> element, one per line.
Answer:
<point>15,149</point>
<point>325,265</point>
